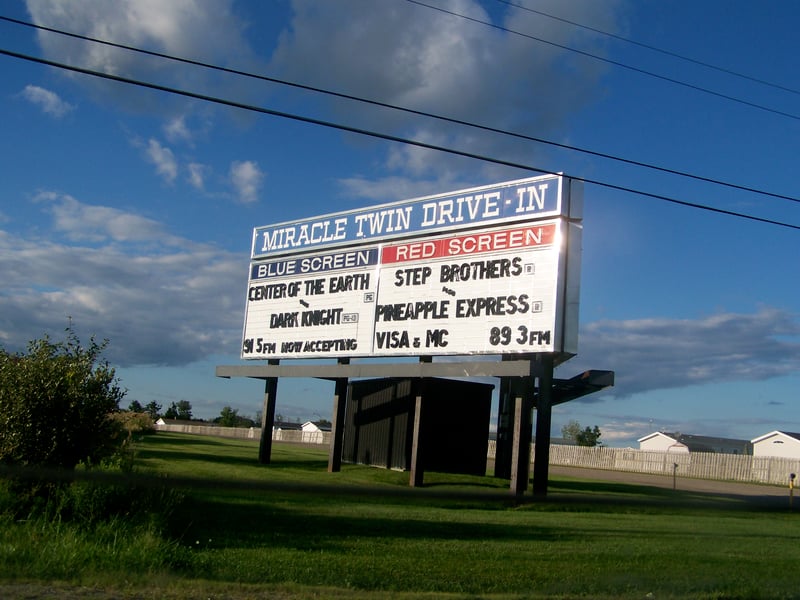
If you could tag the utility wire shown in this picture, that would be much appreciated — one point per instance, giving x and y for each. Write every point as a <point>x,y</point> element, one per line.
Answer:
<point>611,62</point>
<point>378,135</point>
<point>404,109</point>
<point>653,48</point>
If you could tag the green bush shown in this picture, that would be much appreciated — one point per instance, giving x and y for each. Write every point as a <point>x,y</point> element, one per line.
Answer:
<point>59,410</point>
<point>135,423</point>
<point>55,403</point>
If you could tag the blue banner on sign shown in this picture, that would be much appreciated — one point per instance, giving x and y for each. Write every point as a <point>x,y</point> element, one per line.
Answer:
<point>318,263</point>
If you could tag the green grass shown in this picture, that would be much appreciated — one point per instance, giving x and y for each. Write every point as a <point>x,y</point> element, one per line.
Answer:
<point>293,530</point>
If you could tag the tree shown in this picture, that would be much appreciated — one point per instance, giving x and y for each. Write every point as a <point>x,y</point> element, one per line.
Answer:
<point>136,406</point>
<point>228,417</point>
<point>589,437</point>
<point>153,409</point>
<point>571,430</point>
<point>55,404</point>
<point>181,410</point>
<point>582,437</point>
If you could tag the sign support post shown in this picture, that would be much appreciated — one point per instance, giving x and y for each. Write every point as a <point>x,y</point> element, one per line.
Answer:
<point>268,417</point>
<point>337,426</point>
<point>521,390</point>
<point>417,470</point>
<point>505,429</point>
<point>544,410</point>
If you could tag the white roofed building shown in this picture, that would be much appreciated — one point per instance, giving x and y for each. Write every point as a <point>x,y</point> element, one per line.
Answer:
<point>783,444</point>
<point>661,442</point>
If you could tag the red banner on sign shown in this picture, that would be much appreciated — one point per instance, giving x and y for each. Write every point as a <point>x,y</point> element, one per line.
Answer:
<point>476,243</point>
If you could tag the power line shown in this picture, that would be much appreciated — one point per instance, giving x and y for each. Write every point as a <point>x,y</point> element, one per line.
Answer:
<point>611,62</point>
<point>653,48</point>
<point>405,109</point>
<point>378,135</point>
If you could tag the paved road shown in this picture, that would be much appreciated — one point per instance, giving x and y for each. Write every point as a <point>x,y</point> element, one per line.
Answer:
<point>750,492</point>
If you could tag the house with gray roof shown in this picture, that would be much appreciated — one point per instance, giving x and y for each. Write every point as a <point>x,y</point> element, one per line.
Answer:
<point>662,441</point>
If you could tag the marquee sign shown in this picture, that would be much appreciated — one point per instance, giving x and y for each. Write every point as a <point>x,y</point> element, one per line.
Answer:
<point>491,270</point>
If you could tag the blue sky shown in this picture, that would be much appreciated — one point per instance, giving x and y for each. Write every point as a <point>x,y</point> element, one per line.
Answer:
<point>130,211</point>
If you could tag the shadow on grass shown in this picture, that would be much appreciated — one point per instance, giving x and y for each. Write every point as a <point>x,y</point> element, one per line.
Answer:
<point>318,465</point>
<point>187,439</point>
<point>445,481</point>
<point>299,469</point>
<point>295,526</point>
<point>598,487</point>
<point>306,521</point>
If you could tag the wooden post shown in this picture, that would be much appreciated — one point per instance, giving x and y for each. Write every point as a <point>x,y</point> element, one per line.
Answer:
<point>544,411</point>
<point>505,430</point>
<point>521,391</point>
<point>337,426</point>
<point>417,470</point>
<point>268,417</point>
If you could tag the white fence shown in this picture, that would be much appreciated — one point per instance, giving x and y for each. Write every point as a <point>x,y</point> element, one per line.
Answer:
<point>697,465</point>
<point>301,437</point>
<point>250,433</point>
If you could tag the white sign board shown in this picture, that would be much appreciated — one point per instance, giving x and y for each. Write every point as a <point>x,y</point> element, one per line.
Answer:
<point>317,305</point>
<point>506,288</point>
<point>488,292</point>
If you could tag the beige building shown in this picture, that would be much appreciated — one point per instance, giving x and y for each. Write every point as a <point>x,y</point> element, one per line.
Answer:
<point>781,444</point>
<point>661,442</point>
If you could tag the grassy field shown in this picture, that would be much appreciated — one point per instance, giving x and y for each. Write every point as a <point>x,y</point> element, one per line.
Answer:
<point>292,530</point>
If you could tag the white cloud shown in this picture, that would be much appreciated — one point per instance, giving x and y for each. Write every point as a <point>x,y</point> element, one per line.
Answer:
<point>177,130</point>
<point>197,173</point>
<point>427,60</point>
<point>163,159</point>
<point>89,223</point>
<point>158,298</point>
<point>246,178</point>
<point>392,188</point>
<point>659,353</point>
<point>48,101</point>
<point>207,30</point>
<point>201,30</point>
